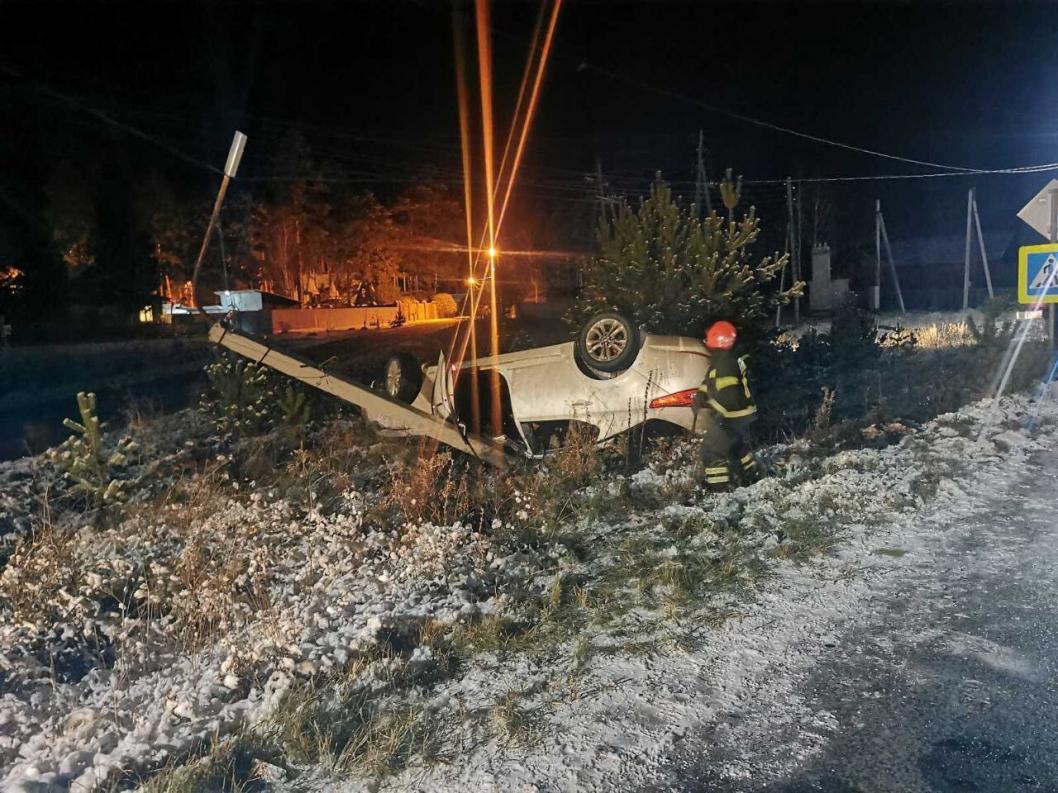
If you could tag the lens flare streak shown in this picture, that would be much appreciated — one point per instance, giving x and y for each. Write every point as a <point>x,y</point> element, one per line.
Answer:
<point>522,122</point>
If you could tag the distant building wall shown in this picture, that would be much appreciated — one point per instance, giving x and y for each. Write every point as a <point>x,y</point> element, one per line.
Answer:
<point>306,320</point>
<point>820,294</point>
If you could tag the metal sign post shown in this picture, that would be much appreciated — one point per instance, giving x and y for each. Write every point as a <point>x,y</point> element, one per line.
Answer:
<point>1053,195</point>
<point>969,239</point>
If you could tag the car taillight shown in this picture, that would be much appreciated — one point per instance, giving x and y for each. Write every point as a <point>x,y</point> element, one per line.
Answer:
<point>681,399</point>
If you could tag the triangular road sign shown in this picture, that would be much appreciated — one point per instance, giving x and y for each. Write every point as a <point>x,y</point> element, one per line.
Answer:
<point>1037,213</point>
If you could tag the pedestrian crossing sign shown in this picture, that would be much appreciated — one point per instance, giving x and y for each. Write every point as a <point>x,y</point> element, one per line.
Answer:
<point>1038,273</point>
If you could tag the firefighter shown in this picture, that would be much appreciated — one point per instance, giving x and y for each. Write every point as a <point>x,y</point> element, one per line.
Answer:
<point>725,405</point>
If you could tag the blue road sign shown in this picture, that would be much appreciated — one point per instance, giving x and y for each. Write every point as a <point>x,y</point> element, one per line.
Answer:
<point>1038,273</point>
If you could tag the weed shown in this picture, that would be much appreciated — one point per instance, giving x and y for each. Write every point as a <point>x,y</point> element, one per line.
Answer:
<point>944,334</point>
<point>804,536</point>
<point>490,633</point>
<point>231,765</point>
<point>435,488</point>
<point>580,595</point>
<point>824,411</point>
<point>431,631</point>
<point>40,566</point>
<point>926,484</point>
<point>514,724</point>
<point>554,595</point>
<point>577,463</point>
<point>580,652</point>
<point>389,739</point>
<point>894,552</point>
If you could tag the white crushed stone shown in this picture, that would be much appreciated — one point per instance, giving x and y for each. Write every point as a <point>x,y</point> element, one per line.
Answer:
<point>336,582</point>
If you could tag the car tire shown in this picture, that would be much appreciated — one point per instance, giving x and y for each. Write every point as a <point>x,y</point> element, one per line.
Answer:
<point>607,343</point>
<point>402,378</point>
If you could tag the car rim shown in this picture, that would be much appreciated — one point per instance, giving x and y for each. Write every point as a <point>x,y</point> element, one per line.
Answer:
<point>393,378</point>
<point>606,340</point>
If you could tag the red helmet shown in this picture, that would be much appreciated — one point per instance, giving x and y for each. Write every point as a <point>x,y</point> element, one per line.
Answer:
<point>720,336</point>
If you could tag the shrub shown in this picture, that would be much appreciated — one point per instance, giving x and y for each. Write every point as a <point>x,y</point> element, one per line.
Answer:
<point>853,337</point>
<point>245,398</point>
<point>991,333</point>
<point>294,410</point>
<point>446,304</point>
<point>241,396</point>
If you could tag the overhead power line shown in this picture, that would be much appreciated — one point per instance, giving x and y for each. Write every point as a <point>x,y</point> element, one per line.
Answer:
<point>110,121</point>
<point>767,124</point>
<point>1027,169</point>
<point>401,172</point>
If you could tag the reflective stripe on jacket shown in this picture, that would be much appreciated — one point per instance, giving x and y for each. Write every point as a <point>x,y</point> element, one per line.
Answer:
<point>725,388</point>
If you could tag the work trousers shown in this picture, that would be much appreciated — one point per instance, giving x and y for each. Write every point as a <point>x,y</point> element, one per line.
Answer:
<point>725,455</point>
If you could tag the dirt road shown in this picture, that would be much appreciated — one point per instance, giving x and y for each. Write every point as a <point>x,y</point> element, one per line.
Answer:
<point>946,681</point>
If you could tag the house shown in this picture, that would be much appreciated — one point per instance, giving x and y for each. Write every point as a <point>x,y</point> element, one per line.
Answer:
<point>253,307</point>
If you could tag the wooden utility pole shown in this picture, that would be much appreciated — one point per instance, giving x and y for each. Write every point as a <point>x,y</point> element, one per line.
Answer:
<point>789,245</point>
<point>798,244</point>
<point>892,265</point>
<point>973,220</point>
<point>876,298</point>
<point>981,244</point>
<point>701,181</point>
<point>600,194</point>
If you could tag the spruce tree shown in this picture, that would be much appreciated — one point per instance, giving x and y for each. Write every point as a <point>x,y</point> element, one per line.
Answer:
<point>673,273</point>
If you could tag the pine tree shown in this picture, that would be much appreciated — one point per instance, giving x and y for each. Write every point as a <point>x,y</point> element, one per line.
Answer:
<point>673,273</point>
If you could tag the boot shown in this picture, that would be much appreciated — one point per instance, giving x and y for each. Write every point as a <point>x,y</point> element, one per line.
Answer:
<point>718,477</point>
<point>749,469</point>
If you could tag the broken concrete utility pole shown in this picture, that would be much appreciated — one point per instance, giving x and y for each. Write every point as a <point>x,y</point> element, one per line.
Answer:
<point>238,145</point>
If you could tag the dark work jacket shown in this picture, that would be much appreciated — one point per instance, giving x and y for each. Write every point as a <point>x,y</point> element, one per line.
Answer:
<point>725,390</point>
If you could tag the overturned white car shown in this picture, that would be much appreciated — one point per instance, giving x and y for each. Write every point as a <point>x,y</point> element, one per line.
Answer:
<point>613,378</point>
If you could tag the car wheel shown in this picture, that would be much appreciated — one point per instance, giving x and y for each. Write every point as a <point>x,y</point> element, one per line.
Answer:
<point>607,343</point>
<point>402,378</point>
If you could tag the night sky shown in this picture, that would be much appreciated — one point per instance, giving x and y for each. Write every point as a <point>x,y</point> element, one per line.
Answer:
<point>372,88</point>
